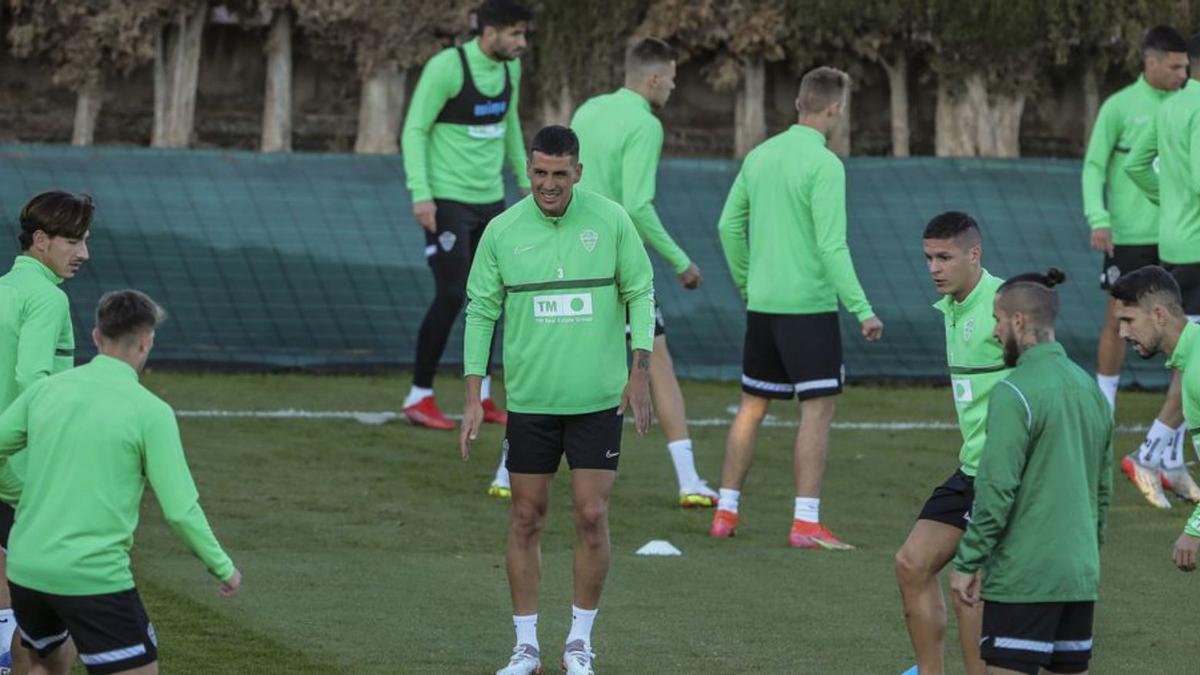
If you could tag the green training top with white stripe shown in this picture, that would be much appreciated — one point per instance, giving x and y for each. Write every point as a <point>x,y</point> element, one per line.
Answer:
<point>1186,359</point>
<point>94,435</point>
<point>783,229</point>
<point>1110,198</point>
<point>461,162</point>
<point>36,338</point>
<point>620,142</point>
<point>976,362</point>
<point>563,285</point>
<point>1044,484</point>
<point>1174,144</point>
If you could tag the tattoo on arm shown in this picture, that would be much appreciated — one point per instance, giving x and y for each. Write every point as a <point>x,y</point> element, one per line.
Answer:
<point>643,359</point>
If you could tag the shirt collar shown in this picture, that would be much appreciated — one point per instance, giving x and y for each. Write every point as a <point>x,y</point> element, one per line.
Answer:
<point>1143,84</point>
<point>1041,351</point>
<point>809,133</point>
<point>29,262</point>
<point>114,366</point>
<point>1185,346</point>
<point>947,303</point>
<point>474,51</point>
<point>634,97</point>
<point>555,220</point>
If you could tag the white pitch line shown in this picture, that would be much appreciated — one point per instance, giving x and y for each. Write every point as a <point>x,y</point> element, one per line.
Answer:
<point>384,416</point>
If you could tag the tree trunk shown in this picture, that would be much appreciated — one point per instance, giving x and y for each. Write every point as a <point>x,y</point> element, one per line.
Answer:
<point>897,74</point>
<point>176,72</point>
<point>379,108</point>
<point>1091,100</point>
<point>88,100</point>
<point>1004,116</point>
<point>980,112</point>
<point>277,106</point>
<point>954,134</point>
<point>558,110</point>
<point>750,120</point>
<point>839,141</point>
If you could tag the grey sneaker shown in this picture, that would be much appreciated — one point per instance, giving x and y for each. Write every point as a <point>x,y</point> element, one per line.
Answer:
<point>577,659</point>
<point>525,661</point>
<point>1146,479</point>
<point>1181,483</point>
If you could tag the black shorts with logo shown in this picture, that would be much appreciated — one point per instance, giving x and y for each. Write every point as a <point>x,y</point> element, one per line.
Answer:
<point>536,443</point>
<point>951,501</point>
<point>1188,278</point>
<point>792,355</point>
<point>1024,637</point>
<point>111,630</point>
<point>7,515</point>
<point>459,229</point>
<point>1125,259</point>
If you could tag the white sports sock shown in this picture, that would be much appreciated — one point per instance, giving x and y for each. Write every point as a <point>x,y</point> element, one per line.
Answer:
<point>729,500</point>
<point>415,394</point>
<point>1108,385</point>
<point>581,626</point>
<point>808,509</point>
<point>485,389</point>
<point>526,630</point>
<point>8,626</point>
<point>1172,456</point>
<point>501,478</point>
<point>685,463</point>
<point>1157,439</point>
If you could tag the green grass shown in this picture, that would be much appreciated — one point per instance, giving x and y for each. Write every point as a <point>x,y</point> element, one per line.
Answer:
<point>372,549</point>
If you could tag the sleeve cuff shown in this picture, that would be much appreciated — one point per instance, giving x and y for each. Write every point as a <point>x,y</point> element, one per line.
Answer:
<point>422,195</point>
<point>964,568</point>
<point>865,314</point>
<point>1098,222</point>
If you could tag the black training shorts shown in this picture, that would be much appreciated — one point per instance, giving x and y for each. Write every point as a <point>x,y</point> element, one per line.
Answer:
<point>111,630</point>
<point>1126,259</point>
<point>536,443</point>
<point>792,355</point>
<point>1188,278</point>
<point>1024,637</point>
<point>7,516</point>
<point>951,501</point>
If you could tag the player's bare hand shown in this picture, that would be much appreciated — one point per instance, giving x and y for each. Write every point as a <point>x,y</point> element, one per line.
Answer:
<point>469,431</point>
<point>426,214</point>
<point>1102,240</point>
<point>637,392</point>
<point>232,585</point>
<point>691,277</point>
<point>965,586</point>
<point>1184,554</point>
<point>872,329</point>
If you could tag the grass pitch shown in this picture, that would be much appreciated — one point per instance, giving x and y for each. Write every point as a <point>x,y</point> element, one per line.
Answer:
<point>373,549</point>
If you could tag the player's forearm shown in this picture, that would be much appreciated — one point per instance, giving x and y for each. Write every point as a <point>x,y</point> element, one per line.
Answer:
<point>652,231</point>
<point>1192,528</point>
<point>477,343</point>
<point>192,527</point>
<point>1140,169</point>
<point>427,101</point>
<point>415,144</point>
<point>514,144</point>
<point>641,320</point>
<point>1093,196</point>
<point>840,268</point>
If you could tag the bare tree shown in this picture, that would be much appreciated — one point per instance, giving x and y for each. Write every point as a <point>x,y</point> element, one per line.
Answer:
<point>177,73</point>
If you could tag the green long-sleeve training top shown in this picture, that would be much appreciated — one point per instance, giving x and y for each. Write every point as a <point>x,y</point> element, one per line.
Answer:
<point>563,285</point>
<point>93,436</point>
<point>456,161</point>
<point>1186,359</point>
<point>783,229</point>
<point>1110,199</point>
<point>1044,484</point>
<point>620,143</point>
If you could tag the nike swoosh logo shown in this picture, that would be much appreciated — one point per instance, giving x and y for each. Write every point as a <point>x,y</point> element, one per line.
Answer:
<point>521,249</point>
<point>610,454</point>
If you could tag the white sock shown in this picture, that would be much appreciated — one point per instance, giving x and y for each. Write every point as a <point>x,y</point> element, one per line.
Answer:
<point>1172,454</point>
<point>526,630</point>
<point>1157,439</point>
<point>685,463</point>
<point>501,478</point>
<point>416,394</point>
<point>485,389</point>
<point>729,500</point>
<point>1108,385</point>
<point>808,509</point>
<point>8,626</point>
<point>581,626</point>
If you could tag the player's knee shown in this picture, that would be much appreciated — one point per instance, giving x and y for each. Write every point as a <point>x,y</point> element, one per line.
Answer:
<point>823,407</point>
<point>527,518</point>
<point>591,517</point>
<point>908,569</point>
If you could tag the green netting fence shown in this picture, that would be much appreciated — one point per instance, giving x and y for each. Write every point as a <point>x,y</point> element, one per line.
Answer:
<point>314,261</point>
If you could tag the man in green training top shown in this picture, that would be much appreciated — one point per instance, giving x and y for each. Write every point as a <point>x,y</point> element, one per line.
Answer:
<point>461,124</point>
<point>1152,319</point>
<point>783,230</point>
<point>94,436</point>
<point>1165,164</point>
<point>953,252</point>
<point>36,336</point>
<point>564,266</point>
<point>620,141</point>
<point>1124,223</point>
<point>1032,549</point>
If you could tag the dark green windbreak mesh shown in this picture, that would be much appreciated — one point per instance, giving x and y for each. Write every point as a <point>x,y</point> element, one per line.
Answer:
<point>315,260</point>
